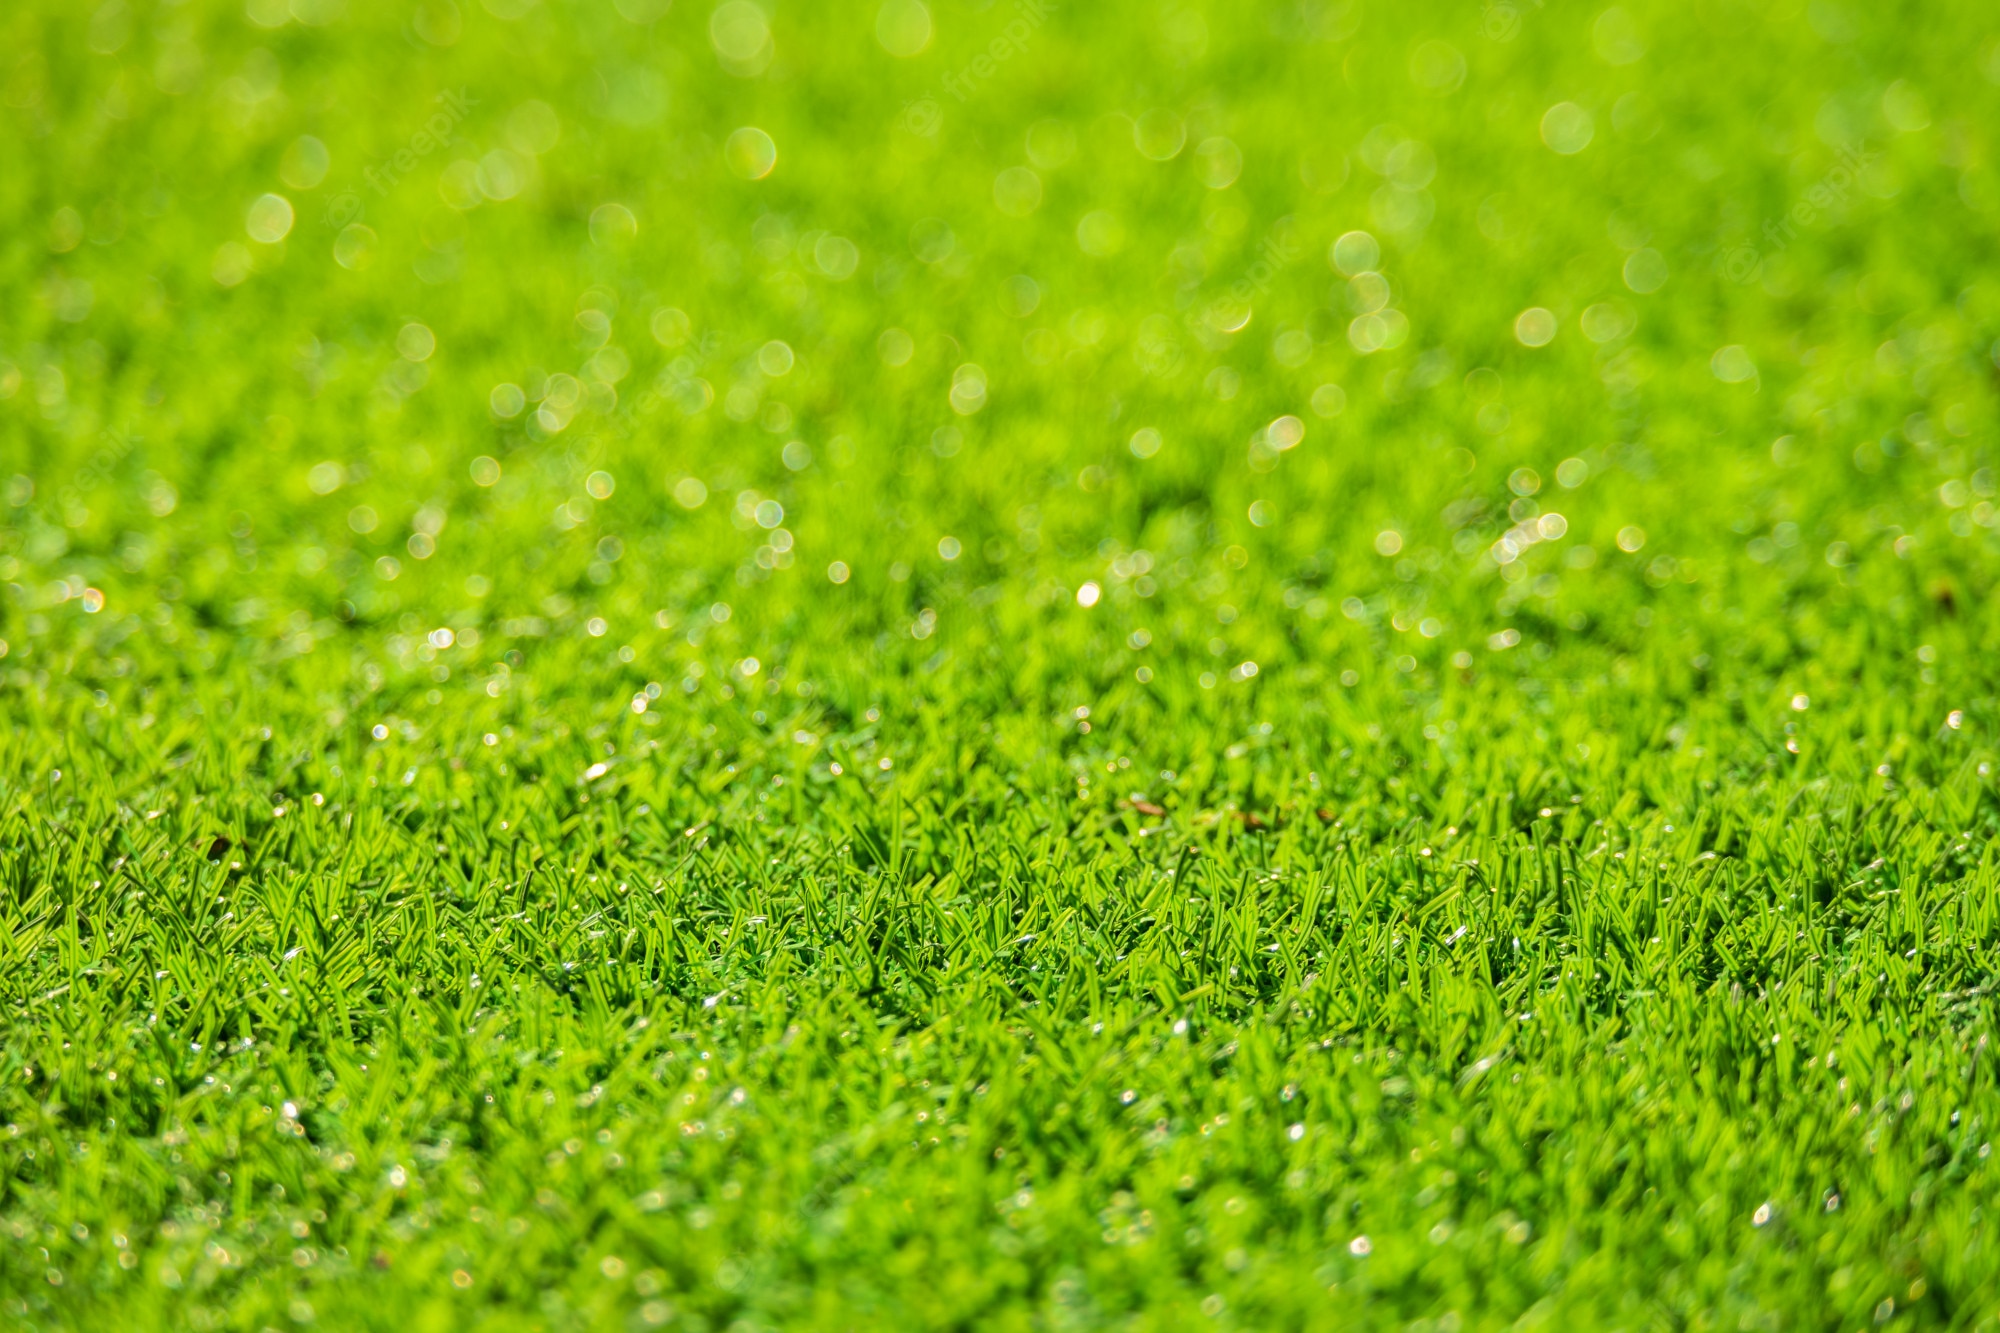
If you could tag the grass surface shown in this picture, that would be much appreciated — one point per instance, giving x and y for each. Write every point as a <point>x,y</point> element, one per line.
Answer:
<point>1264,667</point>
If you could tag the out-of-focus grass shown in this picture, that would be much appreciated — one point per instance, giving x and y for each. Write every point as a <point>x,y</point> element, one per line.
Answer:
<point>1294,666</point>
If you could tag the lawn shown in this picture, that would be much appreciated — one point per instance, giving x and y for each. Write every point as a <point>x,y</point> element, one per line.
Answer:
<point>728,666</point>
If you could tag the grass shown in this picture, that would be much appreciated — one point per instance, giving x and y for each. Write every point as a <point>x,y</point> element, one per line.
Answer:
<point>966,710</point>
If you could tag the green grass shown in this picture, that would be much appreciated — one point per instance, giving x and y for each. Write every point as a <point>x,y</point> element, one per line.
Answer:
<point>564,765</point>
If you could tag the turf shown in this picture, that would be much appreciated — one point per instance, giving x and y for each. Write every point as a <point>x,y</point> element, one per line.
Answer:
<point>1264,666</point>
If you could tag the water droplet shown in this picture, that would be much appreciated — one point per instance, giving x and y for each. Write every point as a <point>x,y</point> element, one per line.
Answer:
<point>1355,252</point>
<point>903,27</point>
<point>750,153</point>
<point>1567,128</point>
<point>269,219</point>
<point>1535,327</point>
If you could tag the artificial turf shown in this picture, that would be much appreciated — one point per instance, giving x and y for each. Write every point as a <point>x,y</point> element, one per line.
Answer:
<point>1006,666</point>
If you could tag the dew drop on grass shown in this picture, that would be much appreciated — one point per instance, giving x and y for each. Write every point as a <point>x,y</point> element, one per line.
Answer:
<point>836,257</point>
<point>269,219</point>
<point>1355,252</point>
<point>1645,271</point>
<point>1159,134</point>
<point>1568,128</point>
<point>932,240</point>
<point>305,163</point>
<point>533,128</point>
<point>1220,162</point>
<point>741,35</point>
<point>415,342</point>
<point>354,248</point>
<point>1535,327</point>
<point>612,225</point>
<point>750,153</point>
<point>903,27</point>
